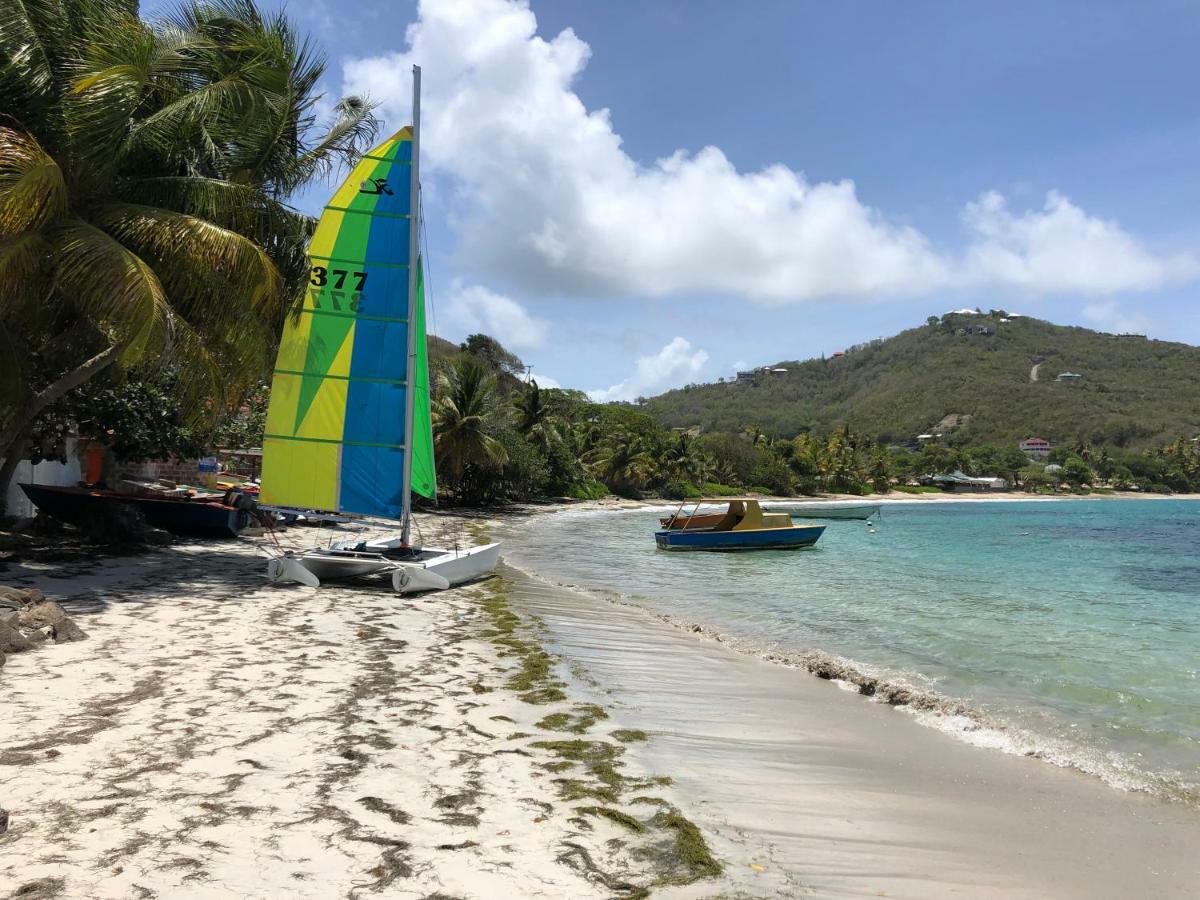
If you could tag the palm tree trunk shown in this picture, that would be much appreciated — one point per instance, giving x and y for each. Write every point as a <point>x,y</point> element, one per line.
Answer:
<point>15,438</point>
<point>14,453</point>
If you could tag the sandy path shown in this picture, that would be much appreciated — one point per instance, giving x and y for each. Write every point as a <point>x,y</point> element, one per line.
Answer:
<point>217,737</point>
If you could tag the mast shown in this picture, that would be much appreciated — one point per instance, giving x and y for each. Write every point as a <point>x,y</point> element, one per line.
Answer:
<point>413,249</point>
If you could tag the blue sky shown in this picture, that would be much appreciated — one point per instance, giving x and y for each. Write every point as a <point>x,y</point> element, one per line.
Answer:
<point>775,180</point>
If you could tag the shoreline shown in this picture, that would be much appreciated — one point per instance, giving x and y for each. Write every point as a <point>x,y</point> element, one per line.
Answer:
<point>964,719</point>
<point>945,713</point>
<point>958,817</point>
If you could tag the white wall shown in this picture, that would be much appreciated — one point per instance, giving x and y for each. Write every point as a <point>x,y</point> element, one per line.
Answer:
<point>54,473</point>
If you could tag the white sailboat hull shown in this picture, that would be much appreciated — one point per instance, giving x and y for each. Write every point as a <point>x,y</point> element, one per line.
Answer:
<point>340,562</point>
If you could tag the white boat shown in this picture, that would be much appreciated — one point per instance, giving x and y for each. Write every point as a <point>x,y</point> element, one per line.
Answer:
<point>826,509</point>
<point>349,426</point>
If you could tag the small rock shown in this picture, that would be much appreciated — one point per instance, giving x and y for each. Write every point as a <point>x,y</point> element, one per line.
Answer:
<point>47,612</point>
<point>67,631</point>
<point>3,820</point>
<point>3,659</point>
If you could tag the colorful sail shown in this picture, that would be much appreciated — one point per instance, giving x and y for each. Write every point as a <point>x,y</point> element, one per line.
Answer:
<point>335,436</point>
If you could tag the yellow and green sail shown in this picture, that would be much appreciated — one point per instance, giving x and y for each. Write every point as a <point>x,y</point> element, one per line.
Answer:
<point>335,436</point>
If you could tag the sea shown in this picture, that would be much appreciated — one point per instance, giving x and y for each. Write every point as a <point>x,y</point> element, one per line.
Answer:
<point>1063,629</point>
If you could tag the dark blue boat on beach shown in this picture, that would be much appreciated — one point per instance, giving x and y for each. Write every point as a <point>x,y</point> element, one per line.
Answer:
<point>742,526</point>
<point>176,515</point>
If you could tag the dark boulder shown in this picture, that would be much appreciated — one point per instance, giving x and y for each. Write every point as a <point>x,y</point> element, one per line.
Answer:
<point>12,640</point>
<point>67,631</point>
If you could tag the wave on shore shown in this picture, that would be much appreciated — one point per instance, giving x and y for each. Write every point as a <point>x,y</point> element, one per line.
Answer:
<point>950,715</point>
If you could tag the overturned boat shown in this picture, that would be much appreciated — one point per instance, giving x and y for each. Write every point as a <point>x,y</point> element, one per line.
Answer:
<point>349,427</point>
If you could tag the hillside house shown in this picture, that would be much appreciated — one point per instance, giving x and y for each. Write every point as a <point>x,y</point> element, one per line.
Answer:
<point>746,377</point>
<point>1068,377</point>
<point>1036,447</point>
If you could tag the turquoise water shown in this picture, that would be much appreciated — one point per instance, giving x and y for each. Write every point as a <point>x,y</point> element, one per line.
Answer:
<point>1071,629</point>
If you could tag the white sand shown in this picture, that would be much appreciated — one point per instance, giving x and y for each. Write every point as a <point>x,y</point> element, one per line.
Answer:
<point>219,737</point>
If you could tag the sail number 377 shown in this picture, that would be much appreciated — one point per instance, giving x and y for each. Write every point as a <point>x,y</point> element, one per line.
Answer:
<point>340,292</point>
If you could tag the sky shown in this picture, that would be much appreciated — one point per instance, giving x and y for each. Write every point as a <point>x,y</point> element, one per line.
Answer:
<point>637,195</point>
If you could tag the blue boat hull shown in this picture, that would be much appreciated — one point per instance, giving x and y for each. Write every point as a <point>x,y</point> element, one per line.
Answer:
<point>759,539</point>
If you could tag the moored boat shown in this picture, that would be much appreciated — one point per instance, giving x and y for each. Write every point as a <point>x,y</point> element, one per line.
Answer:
<point>826,509</point>
<point>742,526</point>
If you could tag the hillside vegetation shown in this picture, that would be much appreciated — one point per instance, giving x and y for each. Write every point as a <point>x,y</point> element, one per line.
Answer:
<point>1134,391</point>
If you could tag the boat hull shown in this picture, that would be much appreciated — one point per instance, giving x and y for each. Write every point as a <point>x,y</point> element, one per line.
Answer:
<point>189,517</point>
<point>793,538</point>
<point>826,510</point>
<point>456,566</point>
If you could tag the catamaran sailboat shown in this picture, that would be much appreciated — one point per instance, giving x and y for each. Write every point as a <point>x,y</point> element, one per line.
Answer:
<point>349,426</point>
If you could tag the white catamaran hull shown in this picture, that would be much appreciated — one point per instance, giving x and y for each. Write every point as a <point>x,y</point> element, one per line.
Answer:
<point>449,566</point>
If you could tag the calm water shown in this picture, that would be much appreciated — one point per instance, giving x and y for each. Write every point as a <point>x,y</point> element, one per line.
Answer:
<point>1072,627</point>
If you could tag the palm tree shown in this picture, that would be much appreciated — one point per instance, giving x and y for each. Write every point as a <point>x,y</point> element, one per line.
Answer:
<point>467,417</point>
<point>535,420</point>
<point>621,461</point>
<point>144,171</point>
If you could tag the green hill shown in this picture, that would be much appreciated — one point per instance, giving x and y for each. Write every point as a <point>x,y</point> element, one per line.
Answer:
<point>969,377</point>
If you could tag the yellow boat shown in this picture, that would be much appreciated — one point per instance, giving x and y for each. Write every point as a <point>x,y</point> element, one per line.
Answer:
<point>742,526</point>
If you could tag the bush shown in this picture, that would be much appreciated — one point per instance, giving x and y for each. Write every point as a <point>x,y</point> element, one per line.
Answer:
<point>680,490</point>
<point>712,489</point>
<point>916,489</point>
<point>589,490</point>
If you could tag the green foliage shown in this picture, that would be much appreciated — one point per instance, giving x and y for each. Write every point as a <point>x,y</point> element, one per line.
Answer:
<point>1133,390</point>
<point>135,420</point>
<point>588,490</point>
<point>143,173</point>
<point>712,489</point>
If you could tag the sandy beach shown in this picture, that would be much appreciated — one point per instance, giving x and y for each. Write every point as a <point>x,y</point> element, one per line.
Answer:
<point>218,737</point>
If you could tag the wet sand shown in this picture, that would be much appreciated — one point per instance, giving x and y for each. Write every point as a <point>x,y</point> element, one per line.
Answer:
<point>832,795</point>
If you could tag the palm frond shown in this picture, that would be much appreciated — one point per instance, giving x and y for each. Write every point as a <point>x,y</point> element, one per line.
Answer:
<point>194,248</point>
<point>23,260</point>
<point>32,190</point>
<point>112,287</point>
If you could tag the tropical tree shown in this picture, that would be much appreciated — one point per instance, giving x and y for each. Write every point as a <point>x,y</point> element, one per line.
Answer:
<point>144,172</point>
<point>468,417</point>
<point>535,420</point>
<point>621,461</point>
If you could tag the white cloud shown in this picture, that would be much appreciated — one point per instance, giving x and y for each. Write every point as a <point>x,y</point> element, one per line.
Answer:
<point>545,381</point>
<point>1061,248</point>
<point>546,199</point>
<point>472,308</point>
<point>673,365</point>
<point>1107,315</point>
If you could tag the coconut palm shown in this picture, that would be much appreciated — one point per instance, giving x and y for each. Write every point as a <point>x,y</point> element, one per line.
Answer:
<point>621,461</point>
<point>535,420</point>
<point>468,416</point>
<point>144,171</point>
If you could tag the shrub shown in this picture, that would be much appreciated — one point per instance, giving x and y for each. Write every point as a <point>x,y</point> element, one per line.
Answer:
<point>712,489</point>
<point>588,490</point>
<point>680,490</point>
